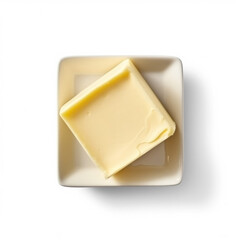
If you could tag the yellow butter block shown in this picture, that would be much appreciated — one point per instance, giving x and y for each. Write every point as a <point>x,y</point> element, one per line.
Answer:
<point>118,118</point>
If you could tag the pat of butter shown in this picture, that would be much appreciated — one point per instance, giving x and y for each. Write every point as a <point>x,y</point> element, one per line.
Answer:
<point>118,118</point>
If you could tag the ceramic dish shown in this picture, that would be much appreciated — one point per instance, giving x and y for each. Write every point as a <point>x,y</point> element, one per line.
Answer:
<point>160,166</point>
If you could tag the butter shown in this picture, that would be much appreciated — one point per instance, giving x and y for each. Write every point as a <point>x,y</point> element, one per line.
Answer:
<point>117,119</point>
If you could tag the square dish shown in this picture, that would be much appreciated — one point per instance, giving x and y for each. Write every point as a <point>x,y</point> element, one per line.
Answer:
<point>163,164</point>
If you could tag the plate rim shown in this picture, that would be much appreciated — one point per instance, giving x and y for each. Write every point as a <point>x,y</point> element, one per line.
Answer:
<point>181,168</point>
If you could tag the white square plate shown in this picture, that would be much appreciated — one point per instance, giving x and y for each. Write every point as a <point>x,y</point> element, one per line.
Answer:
<point>160,166</point>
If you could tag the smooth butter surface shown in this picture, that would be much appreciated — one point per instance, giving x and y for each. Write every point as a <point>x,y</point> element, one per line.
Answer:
<point>118,118</point>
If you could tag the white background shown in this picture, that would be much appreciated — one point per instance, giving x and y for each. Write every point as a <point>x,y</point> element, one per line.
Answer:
<point>35,36</point>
